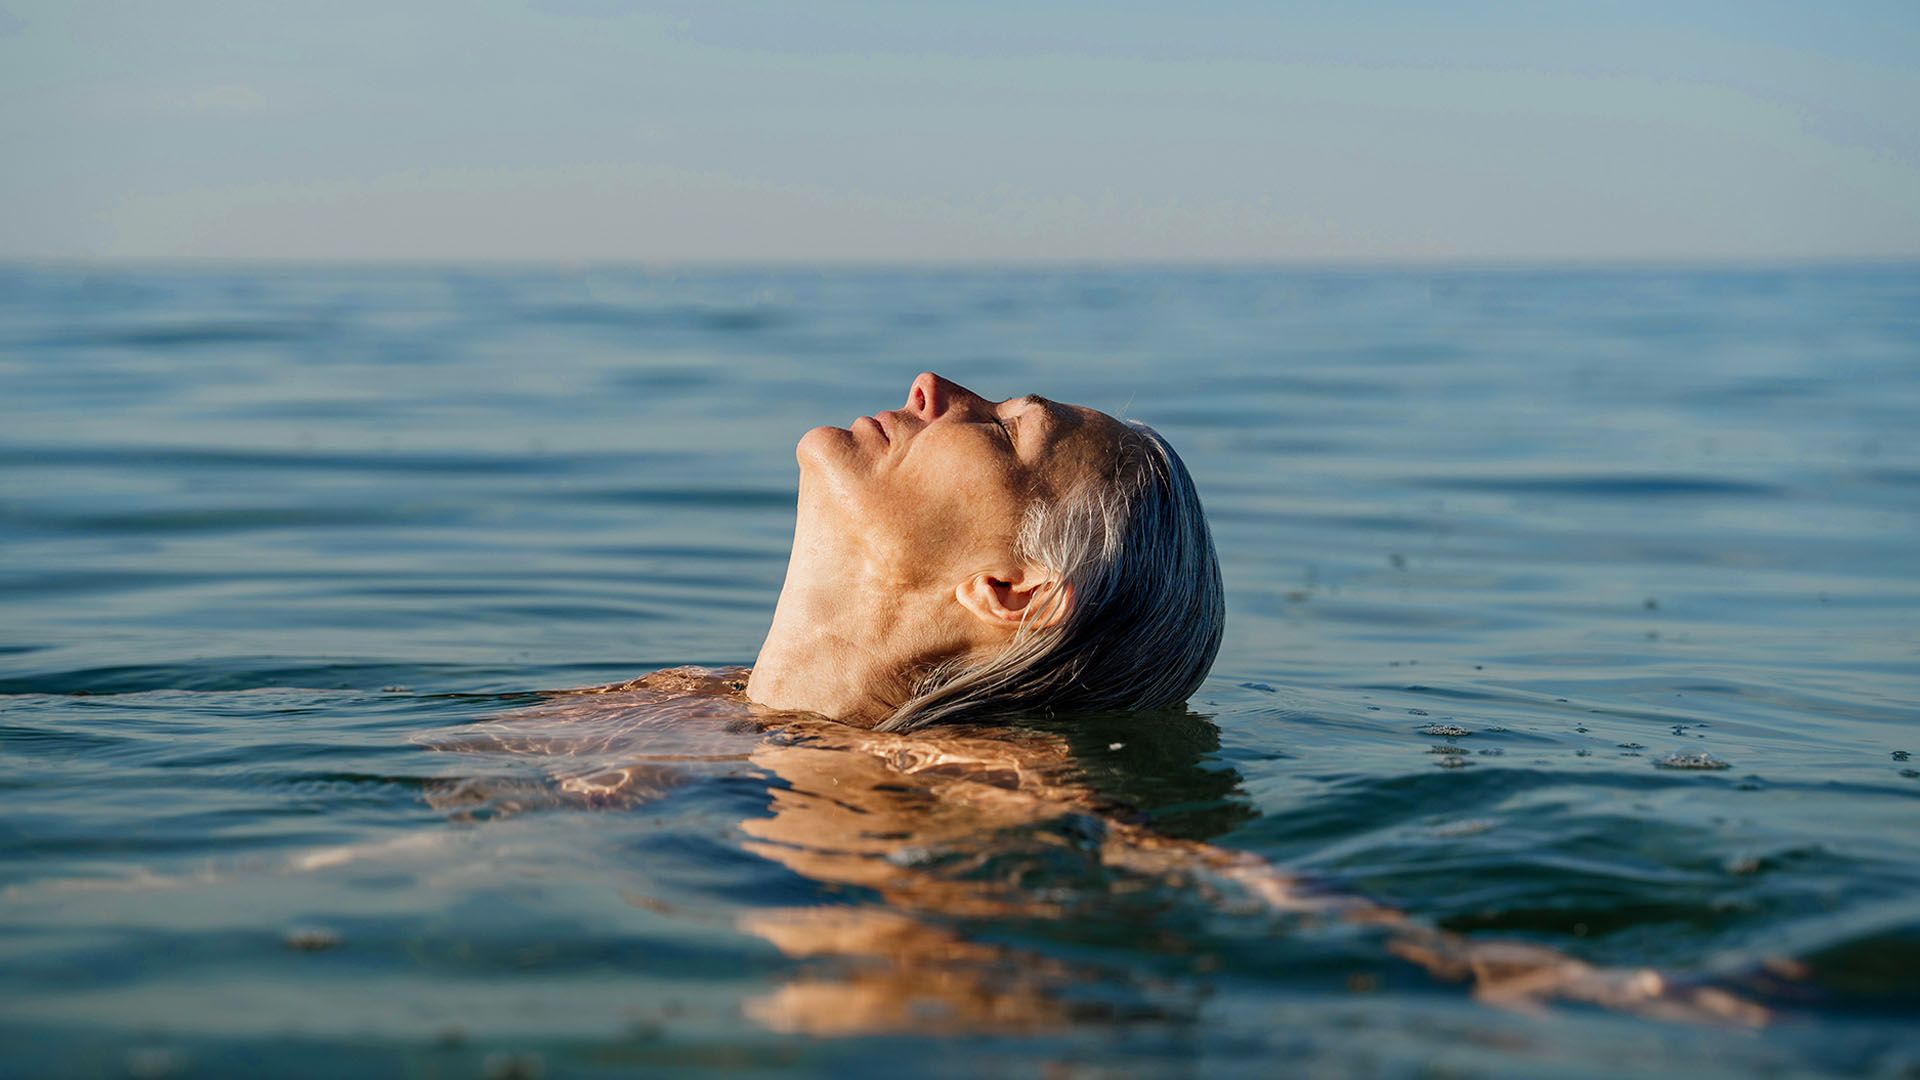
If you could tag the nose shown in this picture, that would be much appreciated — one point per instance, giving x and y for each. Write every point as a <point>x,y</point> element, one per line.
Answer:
<point>931,397</point>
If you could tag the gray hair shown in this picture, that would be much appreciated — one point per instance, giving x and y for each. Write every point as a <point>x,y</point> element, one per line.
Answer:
<point>1146,612</point>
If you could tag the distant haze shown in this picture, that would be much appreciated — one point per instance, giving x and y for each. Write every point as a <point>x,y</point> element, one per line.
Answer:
<point>1000,132</point>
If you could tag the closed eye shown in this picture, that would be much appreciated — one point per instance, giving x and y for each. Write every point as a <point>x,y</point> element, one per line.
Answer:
<point>1014,423</point>
<point>1031,401</point>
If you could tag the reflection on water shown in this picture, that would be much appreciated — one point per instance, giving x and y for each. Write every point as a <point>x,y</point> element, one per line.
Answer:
<point>1570,669</point>
<point>917,839</point>
<point>925,839</point>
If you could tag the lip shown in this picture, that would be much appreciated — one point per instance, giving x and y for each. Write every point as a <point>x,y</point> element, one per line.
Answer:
<point>879,425</point>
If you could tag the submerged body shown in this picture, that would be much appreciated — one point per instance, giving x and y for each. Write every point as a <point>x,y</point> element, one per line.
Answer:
<point>945,826</point>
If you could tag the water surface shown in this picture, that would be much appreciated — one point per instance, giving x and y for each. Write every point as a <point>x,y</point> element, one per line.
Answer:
<point>1498,544</point>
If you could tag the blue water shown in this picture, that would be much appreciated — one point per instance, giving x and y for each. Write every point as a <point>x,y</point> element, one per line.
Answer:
<point>273,540</point>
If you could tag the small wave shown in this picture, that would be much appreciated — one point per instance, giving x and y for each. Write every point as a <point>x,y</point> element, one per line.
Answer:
<point>148,457</point>
<point>1612,486</point>
<point>714,498</point>
<point>678,317</point>
<point>231,674</point>
<point>228,519</point>
<point>194,334</point>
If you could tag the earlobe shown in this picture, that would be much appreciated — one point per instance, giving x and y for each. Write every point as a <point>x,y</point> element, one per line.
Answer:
<point>1035,601</point>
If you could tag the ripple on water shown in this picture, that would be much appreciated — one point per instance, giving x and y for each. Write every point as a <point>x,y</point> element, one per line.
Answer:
<point>1681,759</point>
<point>226,480</point>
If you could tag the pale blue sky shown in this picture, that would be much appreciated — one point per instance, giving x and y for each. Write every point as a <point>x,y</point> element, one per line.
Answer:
<point>596,130</point>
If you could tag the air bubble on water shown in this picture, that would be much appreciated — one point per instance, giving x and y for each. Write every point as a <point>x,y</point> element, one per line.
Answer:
<point>311,939</point>
<point>1417,712</point>
<point>1701,760</point>
<point>1493,751</point>
<point>1901,755</point>
<point>1453,763</point>
<point>1445,731</point>
<point>1447,750</point>
<point>1583,753</point>
<point>1910,773</point>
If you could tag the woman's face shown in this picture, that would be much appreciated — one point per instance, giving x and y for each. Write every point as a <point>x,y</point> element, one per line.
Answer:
<point>939,486</point>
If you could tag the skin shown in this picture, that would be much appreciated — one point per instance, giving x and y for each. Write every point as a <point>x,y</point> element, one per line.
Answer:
<point>903,550</point>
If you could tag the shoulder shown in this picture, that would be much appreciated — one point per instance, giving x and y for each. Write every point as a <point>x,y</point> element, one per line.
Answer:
<point>708,682</point>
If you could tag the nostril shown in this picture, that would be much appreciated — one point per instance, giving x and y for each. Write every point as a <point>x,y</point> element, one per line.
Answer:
<point>927,398</point>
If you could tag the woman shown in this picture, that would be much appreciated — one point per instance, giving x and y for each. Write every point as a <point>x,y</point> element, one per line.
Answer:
<point>957,562</point>
<point>958,557</point>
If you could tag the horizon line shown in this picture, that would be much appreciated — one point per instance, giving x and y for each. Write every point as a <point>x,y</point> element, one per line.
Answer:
<point>668,264</point>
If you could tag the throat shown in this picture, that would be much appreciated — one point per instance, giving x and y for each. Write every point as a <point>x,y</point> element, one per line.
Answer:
<point>837,653</point>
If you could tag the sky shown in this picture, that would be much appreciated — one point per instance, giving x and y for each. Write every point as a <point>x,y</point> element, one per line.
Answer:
<point>595,130</point>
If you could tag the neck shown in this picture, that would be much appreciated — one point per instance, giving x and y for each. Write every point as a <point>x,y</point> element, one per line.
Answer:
<point>843,638</point>
<point>808,665</point>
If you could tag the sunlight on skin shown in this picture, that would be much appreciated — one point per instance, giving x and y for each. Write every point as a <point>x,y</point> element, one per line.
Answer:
<point>903,547</point>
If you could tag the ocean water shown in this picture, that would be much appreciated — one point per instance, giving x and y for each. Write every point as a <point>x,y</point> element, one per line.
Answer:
<point>1503,547</point>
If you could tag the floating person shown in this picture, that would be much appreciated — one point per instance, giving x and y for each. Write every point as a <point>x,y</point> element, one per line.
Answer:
<point>992,617</point>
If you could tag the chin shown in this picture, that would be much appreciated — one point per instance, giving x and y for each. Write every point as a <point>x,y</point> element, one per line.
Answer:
<point>834,475</point>
<point>824,447</point>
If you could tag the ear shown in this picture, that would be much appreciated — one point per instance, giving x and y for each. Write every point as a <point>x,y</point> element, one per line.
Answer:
<point>1035,599</point>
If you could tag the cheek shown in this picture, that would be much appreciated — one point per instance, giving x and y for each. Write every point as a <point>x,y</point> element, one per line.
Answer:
<point>943,467</point>
<point>968,460</point>
<point>970,496</point>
